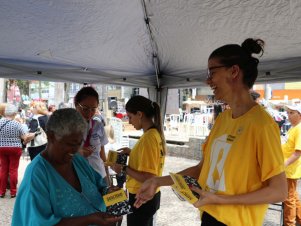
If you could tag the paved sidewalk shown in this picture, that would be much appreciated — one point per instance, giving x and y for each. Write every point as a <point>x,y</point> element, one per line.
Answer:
<point>173,212</point>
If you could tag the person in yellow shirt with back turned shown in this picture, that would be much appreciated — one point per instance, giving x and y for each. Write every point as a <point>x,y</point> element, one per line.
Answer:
<point>292,162</point>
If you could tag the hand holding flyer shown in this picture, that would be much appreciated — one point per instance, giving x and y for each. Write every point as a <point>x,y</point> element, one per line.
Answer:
<point>116,157</point>
<point>117,203</point>
<point>181,187</point>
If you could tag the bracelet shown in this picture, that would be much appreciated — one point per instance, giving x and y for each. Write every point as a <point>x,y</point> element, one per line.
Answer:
<point>124,168</point>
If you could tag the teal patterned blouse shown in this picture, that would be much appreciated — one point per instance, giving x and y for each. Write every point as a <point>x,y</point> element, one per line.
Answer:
<point>45,197</point>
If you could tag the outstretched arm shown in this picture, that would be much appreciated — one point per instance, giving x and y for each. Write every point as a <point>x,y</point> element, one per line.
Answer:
<point>149,187</point>
<point>274,191</point>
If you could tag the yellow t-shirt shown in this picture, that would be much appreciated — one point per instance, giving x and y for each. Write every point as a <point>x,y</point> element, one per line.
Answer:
<point>239,155</point>
<point>293,143</point>
<point>146,156</point>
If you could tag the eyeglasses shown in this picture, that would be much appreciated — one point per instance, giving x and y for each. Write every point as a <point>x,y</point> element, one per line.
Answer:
<point>209,72</point>
<point>87,109</point>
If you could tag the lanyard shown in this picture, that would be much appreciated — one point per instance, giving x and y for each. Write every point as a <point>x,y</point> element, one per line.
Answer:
<point>87,141</point>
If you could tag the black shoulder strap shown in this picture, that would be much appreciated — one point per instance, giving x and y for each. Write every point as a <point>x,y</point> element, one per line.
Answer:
<point>4,125</point>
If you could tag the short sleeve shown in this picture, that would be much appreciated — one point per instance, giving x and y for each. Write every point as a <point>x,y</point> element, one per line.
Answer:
<point>269,152</point>
<point>150,155</point>
<point>298,139</point>
<point>101,133</point>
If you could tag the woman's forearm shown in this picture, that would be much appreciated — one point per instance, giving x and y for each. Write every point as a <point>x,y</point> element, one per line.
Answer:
<point>275,191</point>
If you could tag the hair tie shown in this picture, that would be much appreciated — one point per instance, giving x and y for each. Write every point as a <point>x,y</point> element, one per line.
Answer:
<point>152,104</point>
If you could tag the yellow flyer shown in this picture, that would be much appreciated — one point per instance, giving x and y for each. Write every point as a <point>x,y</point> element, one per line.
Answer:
<point>112,157</point>
<point>114,197</point>
<point>116,157</point>
<point>181,188</point>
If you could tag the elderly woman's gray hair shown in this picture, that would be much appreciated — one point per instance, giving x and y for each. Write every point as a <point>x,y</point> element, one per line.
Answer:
<point>65,122</point>
<point>10,110</point>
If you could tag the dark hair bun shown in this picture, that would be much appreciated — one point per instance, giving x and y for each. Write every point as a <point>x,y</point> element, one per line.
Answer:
<point>253,46</point>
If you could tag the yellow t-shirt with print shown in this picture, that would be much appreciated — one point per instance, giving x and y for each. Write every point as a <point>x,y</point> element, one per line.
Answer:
<point>146,156</point>
<point>293,171</point>
<point>239,155</point>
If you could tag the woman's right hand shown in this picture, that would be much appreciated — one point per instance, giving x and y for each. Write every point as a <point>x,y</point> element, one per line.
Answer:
<point>146,192</point>
<point>98,218</point>
<point>125,150</point>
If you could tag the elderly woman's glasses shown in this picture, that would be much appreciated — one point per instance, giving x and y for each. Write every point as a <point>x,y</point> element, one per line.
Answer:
<point>87,109</point>
<point>209,72</point>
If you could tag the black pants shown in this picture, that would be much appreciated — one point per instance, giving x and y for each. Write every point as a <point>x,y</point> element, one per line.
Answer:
<point>208,220</point>
<point>34,151</point>
<point>143,216</point>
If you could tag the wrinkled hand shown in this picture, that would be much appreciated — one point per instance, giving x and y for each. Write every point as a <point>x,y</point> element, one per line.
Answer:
<point>117,168</point>
<point>125,150</point>
<point>146,192</point>
<point>86,151</point>
<point>206,198</point>
<point>105,219</point>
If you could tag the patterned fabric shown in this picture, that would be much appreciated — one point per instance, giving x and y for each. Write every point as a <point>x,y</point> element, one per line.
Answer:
<point>239,156</point>
<point>10,134</point>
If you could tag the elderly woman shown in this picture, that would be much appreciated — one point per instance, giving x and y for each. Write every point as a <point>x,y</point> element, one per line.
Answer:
<point>11,133</point>
<point>61,188</point>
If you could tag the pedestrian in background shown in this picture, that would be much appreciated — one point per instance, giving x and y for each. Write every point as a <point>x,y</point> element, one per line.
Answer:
<point>292,162</point>
<point>39,119</point>
<point>11,133</point>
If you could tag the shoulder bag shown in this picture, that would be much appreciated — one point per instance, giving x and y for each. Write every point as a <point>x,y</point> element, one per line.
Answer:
<point>40,137</point>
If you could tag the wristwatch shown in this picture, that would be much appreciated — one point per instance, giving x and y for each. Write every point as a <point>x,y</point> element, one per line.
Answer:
<point>124,168</point>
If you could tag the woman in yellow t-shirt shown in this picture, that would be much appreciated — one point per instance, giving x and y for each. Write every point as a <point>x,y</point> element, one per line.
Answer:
<point>242,169</point>
<point>146,159</point>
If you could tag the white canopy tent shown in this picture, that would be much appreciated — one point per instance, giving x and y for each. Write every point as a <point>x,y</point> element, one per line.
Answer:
<point>157,44</point>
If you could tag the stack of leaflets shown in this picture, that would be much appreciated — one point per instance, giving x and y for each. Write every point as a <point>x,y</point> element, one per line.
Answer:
<point>116,157</point>
<point>181,187</point>
<point>117,203</point>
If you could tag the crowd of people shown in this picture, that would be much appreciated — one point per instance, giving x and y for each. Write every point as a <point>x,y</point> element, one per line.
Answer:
<point>244,166</point>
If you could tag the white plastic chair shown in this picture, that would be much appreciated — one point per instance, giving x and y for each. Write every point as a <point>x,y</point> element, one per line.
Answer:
<point>200,124</point>
<point>187,124</point>
<point>174,122</point>
<point>117,125</point>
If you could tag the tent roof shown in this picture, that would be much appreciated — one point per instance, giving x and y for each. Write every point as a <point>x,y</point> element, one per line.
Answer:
<point>145,43</point>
